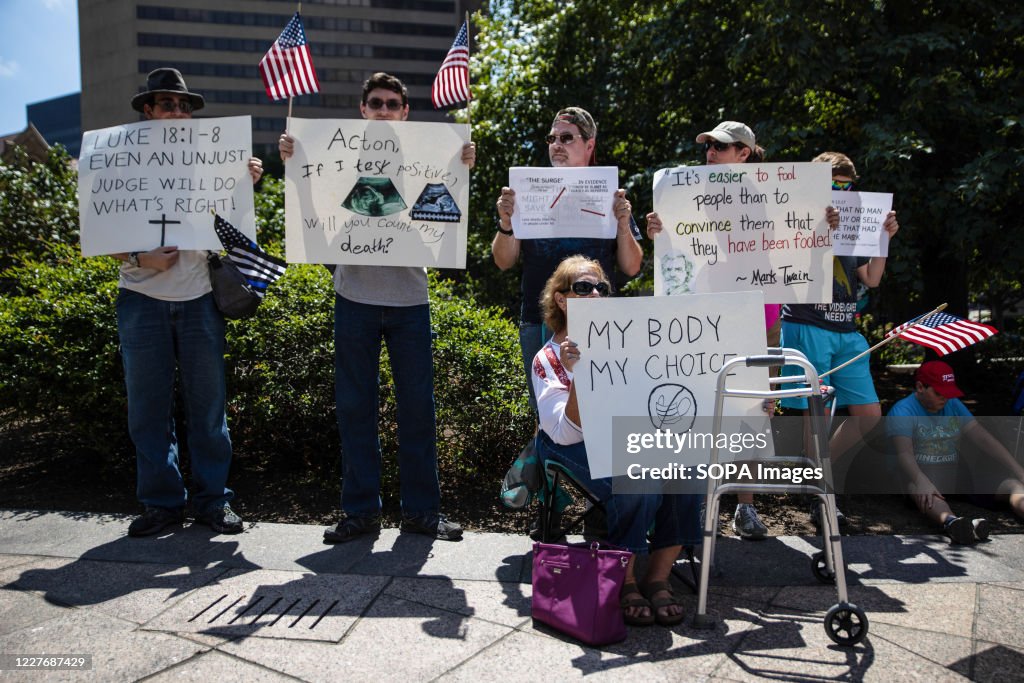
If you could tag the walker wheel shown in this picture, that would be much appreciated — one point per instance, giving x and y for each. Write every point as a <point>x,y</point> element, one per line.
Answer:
<point>820,569</point>
<point>846,624</point>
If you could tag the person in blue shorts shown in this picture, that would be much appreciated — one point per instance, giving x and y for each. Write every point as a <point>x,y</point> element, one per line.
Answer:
<point>925,428</point>
<point>827,333</point>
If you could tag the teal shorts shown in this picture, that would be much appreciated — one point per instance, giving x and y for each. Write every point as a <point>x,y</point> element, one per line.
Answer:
<point>825,350</point>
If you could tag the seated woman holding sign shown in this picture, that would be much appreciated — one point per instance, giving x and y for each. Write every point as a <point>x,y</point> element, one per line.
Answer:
<point>675,518</point>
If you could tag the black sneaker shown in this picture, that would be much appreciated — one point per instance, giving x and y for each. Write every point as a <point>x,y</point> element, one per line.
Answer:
<point>154,520</point>
<point>980,525</point>
<point>351,528</point>
<point>960,530</point>
<point>437,526</point>
<point>816,517</point>
<point>223,520</point>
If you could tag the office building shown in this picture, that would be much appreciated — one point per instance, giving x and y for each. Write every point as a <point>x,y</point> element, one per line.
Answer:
<point>58,120</point>
<point>218,51</point>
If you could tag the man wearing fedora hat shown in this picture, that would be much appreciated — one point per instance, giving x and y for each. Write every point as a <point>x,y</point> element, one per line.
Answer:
<point>925,428</point>
<point>169,327</point>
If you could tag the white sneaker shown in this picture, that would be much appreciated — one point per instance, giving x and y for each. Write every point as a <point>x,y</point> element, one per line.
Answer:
<point>747,524</point>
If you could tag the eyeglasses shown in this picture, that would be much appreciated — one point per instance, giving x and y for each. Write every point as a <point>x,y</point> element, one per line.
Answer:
<point>184,106</point>
<point>842,185</point>
<point>377,103</point>
<point>584,288</point>
<point>717,145</point>
<point>564,138</point>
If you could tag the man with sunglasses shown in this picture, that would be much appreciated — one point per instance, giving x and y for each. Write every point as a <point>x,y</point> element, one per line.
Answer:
<point>168,324</point>
<point>571,141</point>
<point>374,304</point>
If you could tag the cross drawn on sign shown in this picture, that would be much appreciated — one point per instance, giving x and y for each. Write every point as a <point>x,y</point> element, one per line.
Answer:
<point>163,223</point>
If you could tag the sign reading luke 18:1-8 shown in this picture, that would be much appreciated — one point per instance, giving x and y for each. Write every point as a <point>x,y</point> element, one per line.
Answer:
<point>154,183</point>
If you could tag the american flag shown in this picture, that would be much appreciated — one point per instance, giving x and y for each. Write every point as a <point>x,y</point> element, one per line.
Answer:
<point>944,333</point>
<point>287,68</point>
<point>259,268</point>
<point>451,85</point>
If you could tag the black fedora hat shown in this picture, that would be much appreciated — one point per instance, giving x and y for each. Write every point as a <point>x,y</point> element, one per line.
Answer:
<point>166,80</point>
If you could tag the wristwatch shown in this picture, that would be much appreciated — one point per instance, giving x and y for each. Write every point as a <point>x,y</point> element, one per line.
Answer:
<point>503,231</point>
<point>133,259</point>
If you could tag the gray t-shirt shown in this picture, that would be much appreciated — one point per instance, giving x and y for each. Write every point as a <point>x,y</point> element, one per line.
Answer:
<point>382,285</point>
<point>187,279</point>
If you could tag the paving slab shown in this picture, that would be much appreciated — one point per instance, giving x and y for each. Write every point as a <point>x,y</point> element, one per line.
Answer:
<point>477,557</point>
<point>994,663</point>
<point>938,607</point>
<point>217,666</point>
<point>20,610</point>
<point>1000,616</point>
<point>808,654</point>
<point>498,602</point>
<point>921,559</point>
<point>128,590</point>
<point>396,640</point>
<point>119,652</point>
<point>272,604</point>
<point>951,652</point>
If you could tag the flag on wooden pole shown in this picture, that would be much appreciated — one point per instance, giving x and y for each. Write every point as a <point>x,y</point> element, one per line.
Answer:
<point>944,333</point>
<point>287,68</point>
<point>451,85</point>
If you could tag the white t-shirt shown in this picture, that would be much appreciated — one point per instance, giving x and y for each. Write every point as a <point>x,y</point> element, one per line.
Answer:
<point>551,384</point>
<point>187,279</point>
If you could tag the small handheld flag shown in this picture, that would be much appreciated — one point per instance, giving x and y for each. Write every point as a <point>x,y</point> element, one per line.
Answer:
<point>451,85</point>
<point>259,268</point>
<point>944,333</point>
<point>287,68</point>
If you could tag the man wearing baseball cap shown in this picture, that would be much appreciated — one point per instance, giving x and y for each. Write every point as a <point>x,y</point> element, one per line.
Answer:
<point>925,428</point>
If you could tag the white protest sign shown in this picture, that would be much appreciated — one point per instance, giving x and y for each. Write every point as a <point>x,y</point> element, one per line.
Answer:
<point>639,355</point>
<point>861,215</point>
<point>733,227</point>
<point>382,193</point>
<point>153,183</point>
<point>564,202</point>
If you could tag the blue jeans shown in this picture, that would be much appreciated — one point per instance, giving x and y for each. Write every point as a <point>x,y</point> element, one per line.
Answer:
<point>157,337</point>
<point>675,518</point>
<point>358,331</point>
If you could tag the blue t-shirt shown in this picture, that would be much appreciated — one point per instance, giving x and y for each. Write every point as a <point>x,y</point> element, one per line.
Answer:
<point>936,436</point>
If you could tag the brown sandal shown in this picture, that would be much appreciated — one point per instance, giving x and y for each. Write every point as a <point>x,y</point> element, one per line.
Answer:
<point>657,603</point>
<point>632,596</point>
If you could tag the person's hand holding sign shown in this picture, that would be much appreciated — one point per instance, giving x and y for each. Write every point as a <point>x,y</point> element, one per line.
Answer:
<point>622,210</point>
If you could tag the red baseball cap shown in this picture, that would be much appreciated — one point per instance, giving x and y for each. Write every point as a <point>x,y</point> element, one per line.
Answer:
<point>939,376</point>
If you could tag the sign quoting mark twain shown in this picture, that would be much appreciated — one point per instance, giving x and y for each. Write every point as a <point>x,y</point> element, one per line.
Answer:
<point>382,193</point>
<point>659,358</point>
<point>564,202</point>
<point>734,227</point>
<point>861,215</point>
<point>154,183</point>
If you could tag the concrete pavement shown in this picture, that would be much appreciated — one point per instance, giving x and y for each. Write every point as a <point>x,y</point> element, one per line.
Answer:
<point>275,604</point>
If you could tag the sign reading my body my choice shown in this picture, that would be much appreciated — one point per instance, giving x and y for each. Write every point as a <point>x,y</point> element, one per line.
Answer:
<point>154,183</point>
<point>385,193</point>
<point>735,227</point>
<point>658,358</point>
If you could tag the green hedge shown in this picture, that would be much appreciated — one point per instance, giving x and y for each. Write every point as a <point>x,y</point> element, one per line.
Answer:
<point>58,345</point>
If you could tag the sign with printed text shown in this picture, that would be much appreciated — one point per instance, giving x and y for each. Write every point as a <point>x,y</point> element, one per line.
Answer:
<point>733,227</point>
<point>861,215</point>
<point>659,358</point>
<point>154,183</point>
<point>377,193</point>
<point>564,202</point>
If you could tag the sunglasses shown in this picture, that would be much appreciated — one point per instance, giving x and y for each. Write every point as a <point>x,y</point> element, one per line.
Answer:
<point>564,138</point>
<point>718,146</point>
<point>842,185</point>
<point>584,288</point>
<point>184,106</point>
<point>378,103</point>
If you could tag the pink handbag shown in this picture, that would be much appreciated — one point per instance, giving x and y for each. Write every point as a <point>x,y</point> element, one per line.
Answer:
<point>576,590</point>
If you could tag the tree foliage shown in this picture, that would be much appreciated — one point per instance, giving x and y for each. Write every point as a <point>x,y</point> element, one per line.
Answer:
<point>924,96</point>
